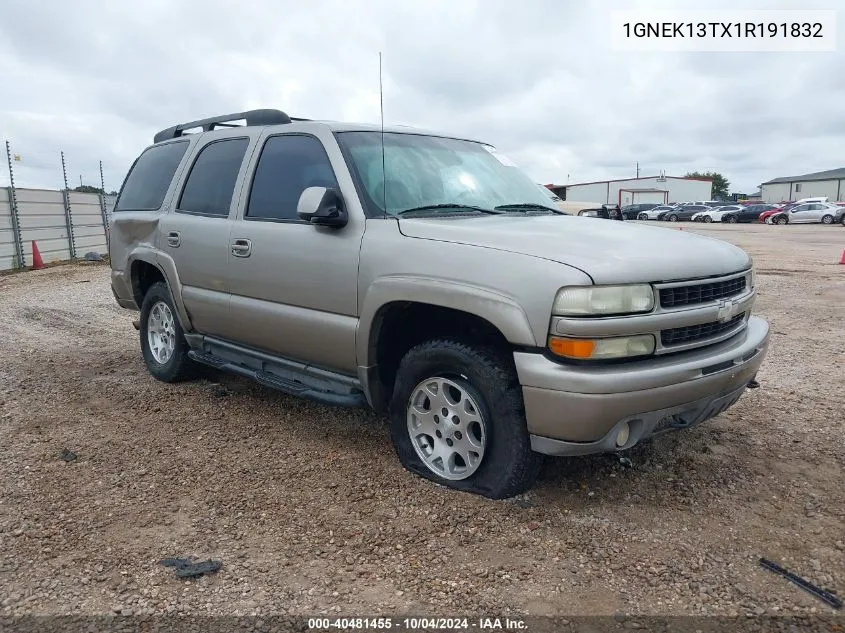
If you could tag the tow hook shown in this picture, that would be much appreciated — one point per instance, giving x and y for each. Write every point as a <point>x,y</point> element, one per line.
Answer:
<point>753,384</point>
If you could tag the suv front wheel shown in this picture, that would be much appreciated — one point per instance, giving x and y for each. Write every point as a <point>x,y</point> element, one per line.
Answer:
<point>163,343</point>
<point>457,418</point>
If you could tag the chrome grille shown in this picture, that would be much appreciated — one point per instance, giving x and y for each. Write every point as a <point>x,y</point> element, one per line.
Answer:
<point>701,293</point>
<point>693,333</point>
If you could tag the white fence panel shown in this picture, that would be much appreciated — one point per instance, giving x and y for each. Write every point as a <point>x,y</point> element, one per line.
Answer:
<point>8,252</point>
<point>41,218</point>
<point>87,216</point>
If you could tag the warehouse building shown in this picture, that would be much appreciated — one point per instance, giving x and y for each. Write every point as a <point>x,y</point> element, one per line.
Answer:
<point>830,183</point>
<point>660,189</point>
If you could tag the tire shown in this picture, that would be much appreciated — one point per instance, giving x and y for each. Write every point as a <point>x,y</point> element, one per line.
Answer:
<point>732,219</point>
<point>673,218</point>
<point>827,219</point>
<point>158,313</point>
<point>781,221</point>
<point>843,220</point>
<point>707,219</point>
<point>642,216</point>
<point>506,465</point>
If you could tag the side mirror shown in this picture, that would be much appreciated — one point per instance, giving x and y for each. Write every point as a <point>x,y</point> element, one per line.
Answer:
<point>322,206</point>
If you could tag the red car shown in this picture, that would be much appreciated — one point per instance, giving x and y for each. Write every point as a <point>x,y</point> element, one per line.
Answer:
<point>771,212</point>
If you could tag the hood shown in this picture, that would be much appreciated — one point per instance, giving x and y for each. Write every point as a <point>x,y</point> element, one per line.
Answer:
<point>609,251</point>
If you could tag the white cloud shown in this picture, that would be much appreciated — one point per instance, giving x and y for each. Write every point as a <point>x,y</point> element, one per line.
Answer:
<point>537,79</point>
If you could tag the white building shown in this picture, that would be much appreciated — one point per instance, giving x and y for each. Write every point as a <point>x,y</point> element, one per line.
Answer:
<point>830,183</point>
<point>660,189</point>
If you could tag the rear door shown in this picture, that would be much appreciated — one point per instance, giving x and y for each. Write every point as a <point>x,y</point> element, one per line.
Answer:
<point>295,285</point>
<point>196,233</point>
<point>817,211</point>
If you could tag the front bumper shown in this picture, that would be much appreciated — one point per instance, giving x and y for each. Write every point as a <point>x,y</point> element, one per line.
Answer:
<point>577,410</point>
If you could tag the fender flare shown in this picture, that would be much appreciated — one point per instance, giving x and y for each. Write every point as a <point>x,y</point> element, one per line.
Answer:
<point>501,311</point>
<point>167,267</point>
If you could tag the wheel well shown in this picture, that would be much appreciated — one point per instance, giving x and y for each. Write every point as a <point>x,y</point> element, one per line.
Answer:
<point>144,275</point>
<point>402,325</point>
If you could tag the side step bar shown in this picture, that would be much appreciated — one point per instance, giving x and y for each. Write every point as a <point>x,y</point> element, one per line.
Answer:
<point>355,399</point>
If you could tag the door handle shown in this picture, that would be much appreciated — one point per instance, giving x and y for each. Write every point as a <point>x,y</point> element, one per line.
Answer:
<point>241,248</point>
<point>174,239</point>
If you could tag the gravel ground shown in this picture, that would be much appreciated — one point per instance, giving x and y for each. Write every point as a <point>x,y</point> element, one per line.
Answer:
<point>310,512</point>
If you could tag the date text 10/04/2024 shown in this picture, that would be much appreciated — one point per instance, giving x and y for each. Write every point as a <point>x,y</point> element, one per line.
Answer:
<point>416,624</point>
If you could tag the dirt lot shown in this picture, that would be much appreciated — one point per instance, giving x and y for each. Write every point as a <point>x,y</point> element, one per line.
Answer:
<point>310,512</point>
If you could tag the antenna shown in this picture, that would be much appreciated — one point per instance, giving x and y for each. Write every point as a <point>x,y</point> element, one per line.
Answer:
<point>381,106</point>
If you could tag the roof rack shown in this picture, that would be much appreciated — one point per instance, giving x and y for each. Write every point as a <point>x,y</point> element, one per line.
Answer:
<point>252,117</point>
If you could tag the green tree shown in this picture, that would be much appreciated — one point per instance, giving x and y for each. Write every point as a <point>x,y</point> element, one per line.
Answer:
<point>721,185</point>
<point>88,189</point>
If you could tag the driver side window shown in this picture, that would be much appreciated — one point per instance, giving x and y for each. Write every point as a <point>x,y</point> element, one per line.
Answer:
<point>288,165</point>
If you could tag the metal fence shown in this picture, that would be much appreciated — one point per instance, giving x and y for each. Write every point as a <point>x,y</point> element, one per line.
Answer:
<point>64,224</point>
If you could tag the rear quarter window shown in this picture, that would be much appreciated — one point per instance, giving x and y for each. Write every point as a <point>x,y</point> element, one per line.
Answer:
<point>150,176</point>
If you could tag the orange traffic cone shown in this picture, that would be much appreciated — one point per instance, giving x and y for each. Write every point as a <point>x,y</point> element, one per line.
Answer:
<point>37,262</point>
<point>842,261</point>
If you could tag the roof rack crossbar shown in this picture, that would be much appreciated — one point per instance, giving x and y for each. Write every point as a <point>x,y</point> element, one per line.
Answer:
<point>252,117</point>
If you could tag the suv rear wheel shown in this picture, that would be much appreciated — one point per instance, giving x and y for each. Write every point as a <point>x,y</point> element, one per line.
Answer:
<point>457,418</point>
<point>163,343</point>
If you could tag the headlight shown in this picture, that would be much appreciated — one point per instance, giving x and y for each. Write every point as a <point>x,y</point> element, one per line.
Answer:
<point>603,300</point>
<point>602,348</point>
<point>752,279</point>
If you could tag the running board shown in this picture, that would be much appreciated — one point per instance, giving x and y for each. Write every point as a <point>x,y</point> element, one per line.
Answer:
<point>289,385</point>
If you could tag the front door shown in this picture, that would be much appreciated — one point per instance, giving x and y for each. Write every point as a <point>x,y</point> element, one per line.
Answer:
<point>801,214</point>
<point>196,234</point>
<point>294,285</point>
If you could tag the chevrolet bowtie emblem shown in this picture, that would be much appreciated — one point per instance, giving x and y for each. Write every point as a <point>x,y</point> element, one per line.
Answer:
<point>726,310</point>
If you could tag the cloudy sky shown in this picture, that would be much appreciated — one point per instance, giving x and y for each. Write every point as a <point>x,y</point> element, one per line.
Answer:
<point>536,78</point>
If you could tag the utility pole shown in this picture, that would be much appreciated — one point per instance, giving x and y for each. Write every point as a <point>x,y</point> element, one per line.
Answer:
<point>638,169</point>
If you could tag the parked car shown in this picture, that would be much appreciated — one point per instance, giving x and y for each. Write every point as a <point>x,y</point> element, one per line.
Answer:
<point>810,213</point>
<point>750,213</point>
<point>840,215</point>
<point>653,213</point>
<point>355,265</point>
<point>715,214</point>
<point>605,211</point>
<point>766,216</point>
<point>682,213</point>
<point>632,211</point>
<point>556,199</point>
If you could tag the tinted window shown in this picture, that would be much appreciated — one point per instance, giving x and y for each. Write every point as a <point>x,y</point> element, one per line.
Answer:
<point>211,182</point>
<point>288,165</point>
<point>150,176</point>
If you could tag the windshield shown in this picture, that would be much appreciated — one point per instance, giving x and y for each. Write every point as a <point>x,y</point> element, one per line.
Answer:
<point>433,172</point>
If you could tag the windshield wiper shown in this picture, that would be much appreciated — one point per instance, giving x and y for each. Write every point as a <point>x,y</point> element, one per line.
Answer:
<point>435,207</point>
<point>528,206</point>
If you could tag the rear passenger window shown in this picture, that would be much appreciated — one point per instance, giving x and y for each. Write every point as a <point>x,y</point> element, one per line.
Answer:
<point>211,183</point>
<point>288,165</point>
<point>150,176</point>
